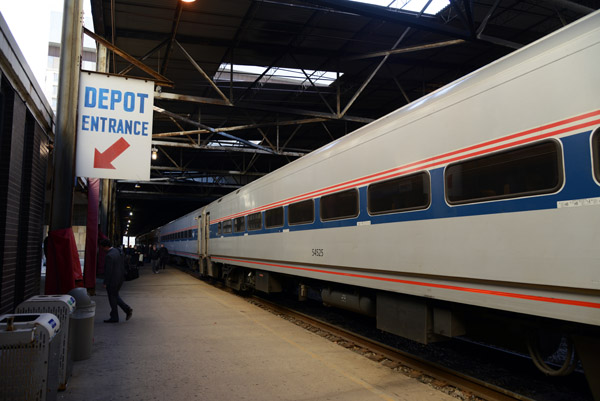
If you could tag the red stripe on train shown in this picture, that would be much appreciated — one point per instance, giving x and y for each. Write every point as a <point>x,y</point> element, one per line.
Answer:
<point>431,285</point>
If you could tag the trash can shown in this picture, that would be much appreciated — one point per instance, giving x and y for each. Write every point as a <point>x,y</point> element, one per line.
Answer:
<point>62,306</point>
<point>29,356</point>
<point>82,324</point>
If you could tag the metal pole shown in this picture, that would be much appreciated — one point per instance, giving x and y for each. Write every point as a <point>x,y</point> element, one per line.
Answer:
<point>102,61</point>
<point>66,116</point>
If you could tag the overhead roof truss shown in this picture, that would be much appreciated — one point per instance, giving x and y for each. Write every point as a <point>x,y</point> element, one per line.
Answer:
<point>383,58</point>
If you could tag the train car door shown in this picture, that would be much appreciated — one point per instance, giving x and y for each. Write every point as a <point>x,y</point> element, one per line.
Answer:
<point>204,226</point>
<point>200,219</point>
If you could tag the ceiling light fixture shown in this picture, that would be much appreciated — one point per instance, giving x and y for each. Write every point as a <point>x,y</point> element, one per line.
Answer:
<point>154,153</point>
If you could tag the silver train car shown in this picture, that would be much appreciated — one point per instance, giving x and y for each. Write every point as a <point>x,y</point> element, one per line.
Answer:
<point>474,208</point>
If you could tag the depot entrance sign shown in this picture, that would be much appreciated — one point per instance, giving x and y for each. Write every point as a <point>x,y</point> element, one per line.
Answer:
<point>114,127</point>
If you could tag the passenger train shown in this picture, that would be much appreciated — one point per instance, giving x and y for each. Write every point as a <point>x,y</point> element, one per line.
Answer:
<point>475,209</point>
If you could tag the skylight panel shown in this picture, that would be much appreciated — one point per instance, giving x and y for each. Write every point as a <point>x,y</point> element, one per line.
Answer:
<point>275,75</point>
<point>410,5</point>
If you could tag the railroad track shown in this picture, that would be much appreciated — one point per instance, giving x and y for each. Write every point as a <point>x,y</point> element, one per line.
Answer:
<point>445,379</point>
<point>440,377</point>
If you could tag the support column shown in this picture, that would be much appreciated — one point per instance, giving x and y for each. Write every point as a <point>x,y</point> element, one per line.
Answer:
<point>63,267</point>
<point>66,116</point>
<point>102,66</point>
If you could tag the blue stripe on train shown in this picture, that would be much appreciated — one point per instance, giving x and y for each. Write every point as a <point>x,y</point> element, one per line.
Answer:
<point>578,184</point>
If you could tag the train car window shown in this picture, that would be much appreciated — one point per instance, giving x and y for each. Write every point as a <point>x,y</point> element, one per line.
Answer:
<point>301,212</point>
<point>341,205</point>
<point>400,194</point>
<point>530,170</point>
<point>274,217</point>
<point>227,227</point>
<point>219,229</point>
<point>239,224</point>
<point>254,221</point>
<point>596,153</point>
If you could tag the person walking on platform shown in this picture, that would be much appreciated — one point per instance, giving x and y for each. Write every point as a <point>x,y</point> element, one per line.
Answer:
<point>154,259</point>
<point>114,275</point>
<point>163,254</point>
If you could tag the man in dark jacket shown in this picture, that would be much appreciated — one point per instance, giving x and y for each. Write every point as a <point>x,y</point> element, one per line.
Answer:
<point>114,275</point>
<point>163,254</point>
<point>154,259</point>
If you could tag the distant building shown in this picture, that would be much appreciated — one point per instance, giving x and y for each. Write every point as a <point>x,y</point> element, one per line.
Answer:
<point>50,84</point>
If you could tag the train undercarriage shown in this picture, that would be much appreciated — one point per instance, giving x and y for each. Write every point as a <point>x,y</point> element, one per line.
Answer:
<point>427,320</point>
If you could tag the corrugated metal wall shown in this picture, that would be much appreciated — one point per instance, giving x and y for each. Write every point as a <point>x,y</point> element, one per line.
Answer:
<point>23,165</point>
<point>26,125</point>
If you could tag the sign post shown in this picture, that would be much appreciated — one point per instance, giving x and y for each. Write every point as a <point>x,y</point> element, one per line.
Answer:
<point>114,127</point>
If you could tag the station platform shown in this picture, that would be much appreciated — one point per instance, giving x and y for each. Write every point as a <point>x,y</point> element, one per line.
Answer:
<point>188,341</point>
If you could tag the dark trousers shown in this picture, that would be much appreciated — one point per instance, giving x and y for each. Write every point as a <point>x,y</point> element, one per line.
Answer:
<point>115,301</point>
<point>163,262</point>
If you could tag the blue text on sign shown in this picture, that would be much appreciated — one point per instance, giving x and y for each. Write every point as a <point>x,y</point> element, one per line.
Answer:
<point>114,125</point>
<point>109,99</point>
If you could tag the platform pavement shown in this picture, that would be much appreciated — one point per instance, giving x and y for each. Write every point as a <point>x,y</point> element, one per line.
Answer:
<point>188,341</point>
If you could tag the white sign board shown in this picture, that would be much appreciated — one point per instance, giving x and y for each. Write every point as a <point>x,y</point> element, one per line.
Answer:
<point>114,127</point>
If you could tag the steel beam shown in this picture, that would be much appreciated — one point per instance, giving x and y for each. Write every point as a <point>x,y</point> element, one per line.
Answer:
<point>205,173</point>
<point>201,71</point>
<point>194,99</point>
<point>240,127</point>
<point>312,84</point>
<point>381,63</point>
<point>300,112</point>
<point>212,130</point>
<point>180,184</point>
<point>174,28</point>
<point>144,57</point>
<point>172,196</point>
<point>227,148</point>
<point>254,106</point>
<point>410,49</point>
<point>158,78</point>
<point>487,17</point>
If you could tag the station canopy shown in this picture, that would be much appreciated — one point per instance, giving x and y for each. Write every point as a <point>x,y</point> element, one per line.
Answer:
<point>244,87</point>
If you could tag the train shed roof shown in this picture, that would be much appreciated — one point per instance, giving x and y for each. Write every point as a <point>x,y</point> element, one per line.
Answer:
<point>250,85</point>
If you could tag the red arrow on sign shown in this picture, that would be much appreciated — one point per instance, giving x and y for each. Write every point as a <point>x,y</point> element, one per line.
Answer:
<point>103,160</point>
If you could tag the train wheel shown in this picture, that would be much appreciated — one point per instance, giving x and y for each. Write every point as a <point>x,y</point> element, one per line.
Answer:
<point>569,363</point>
